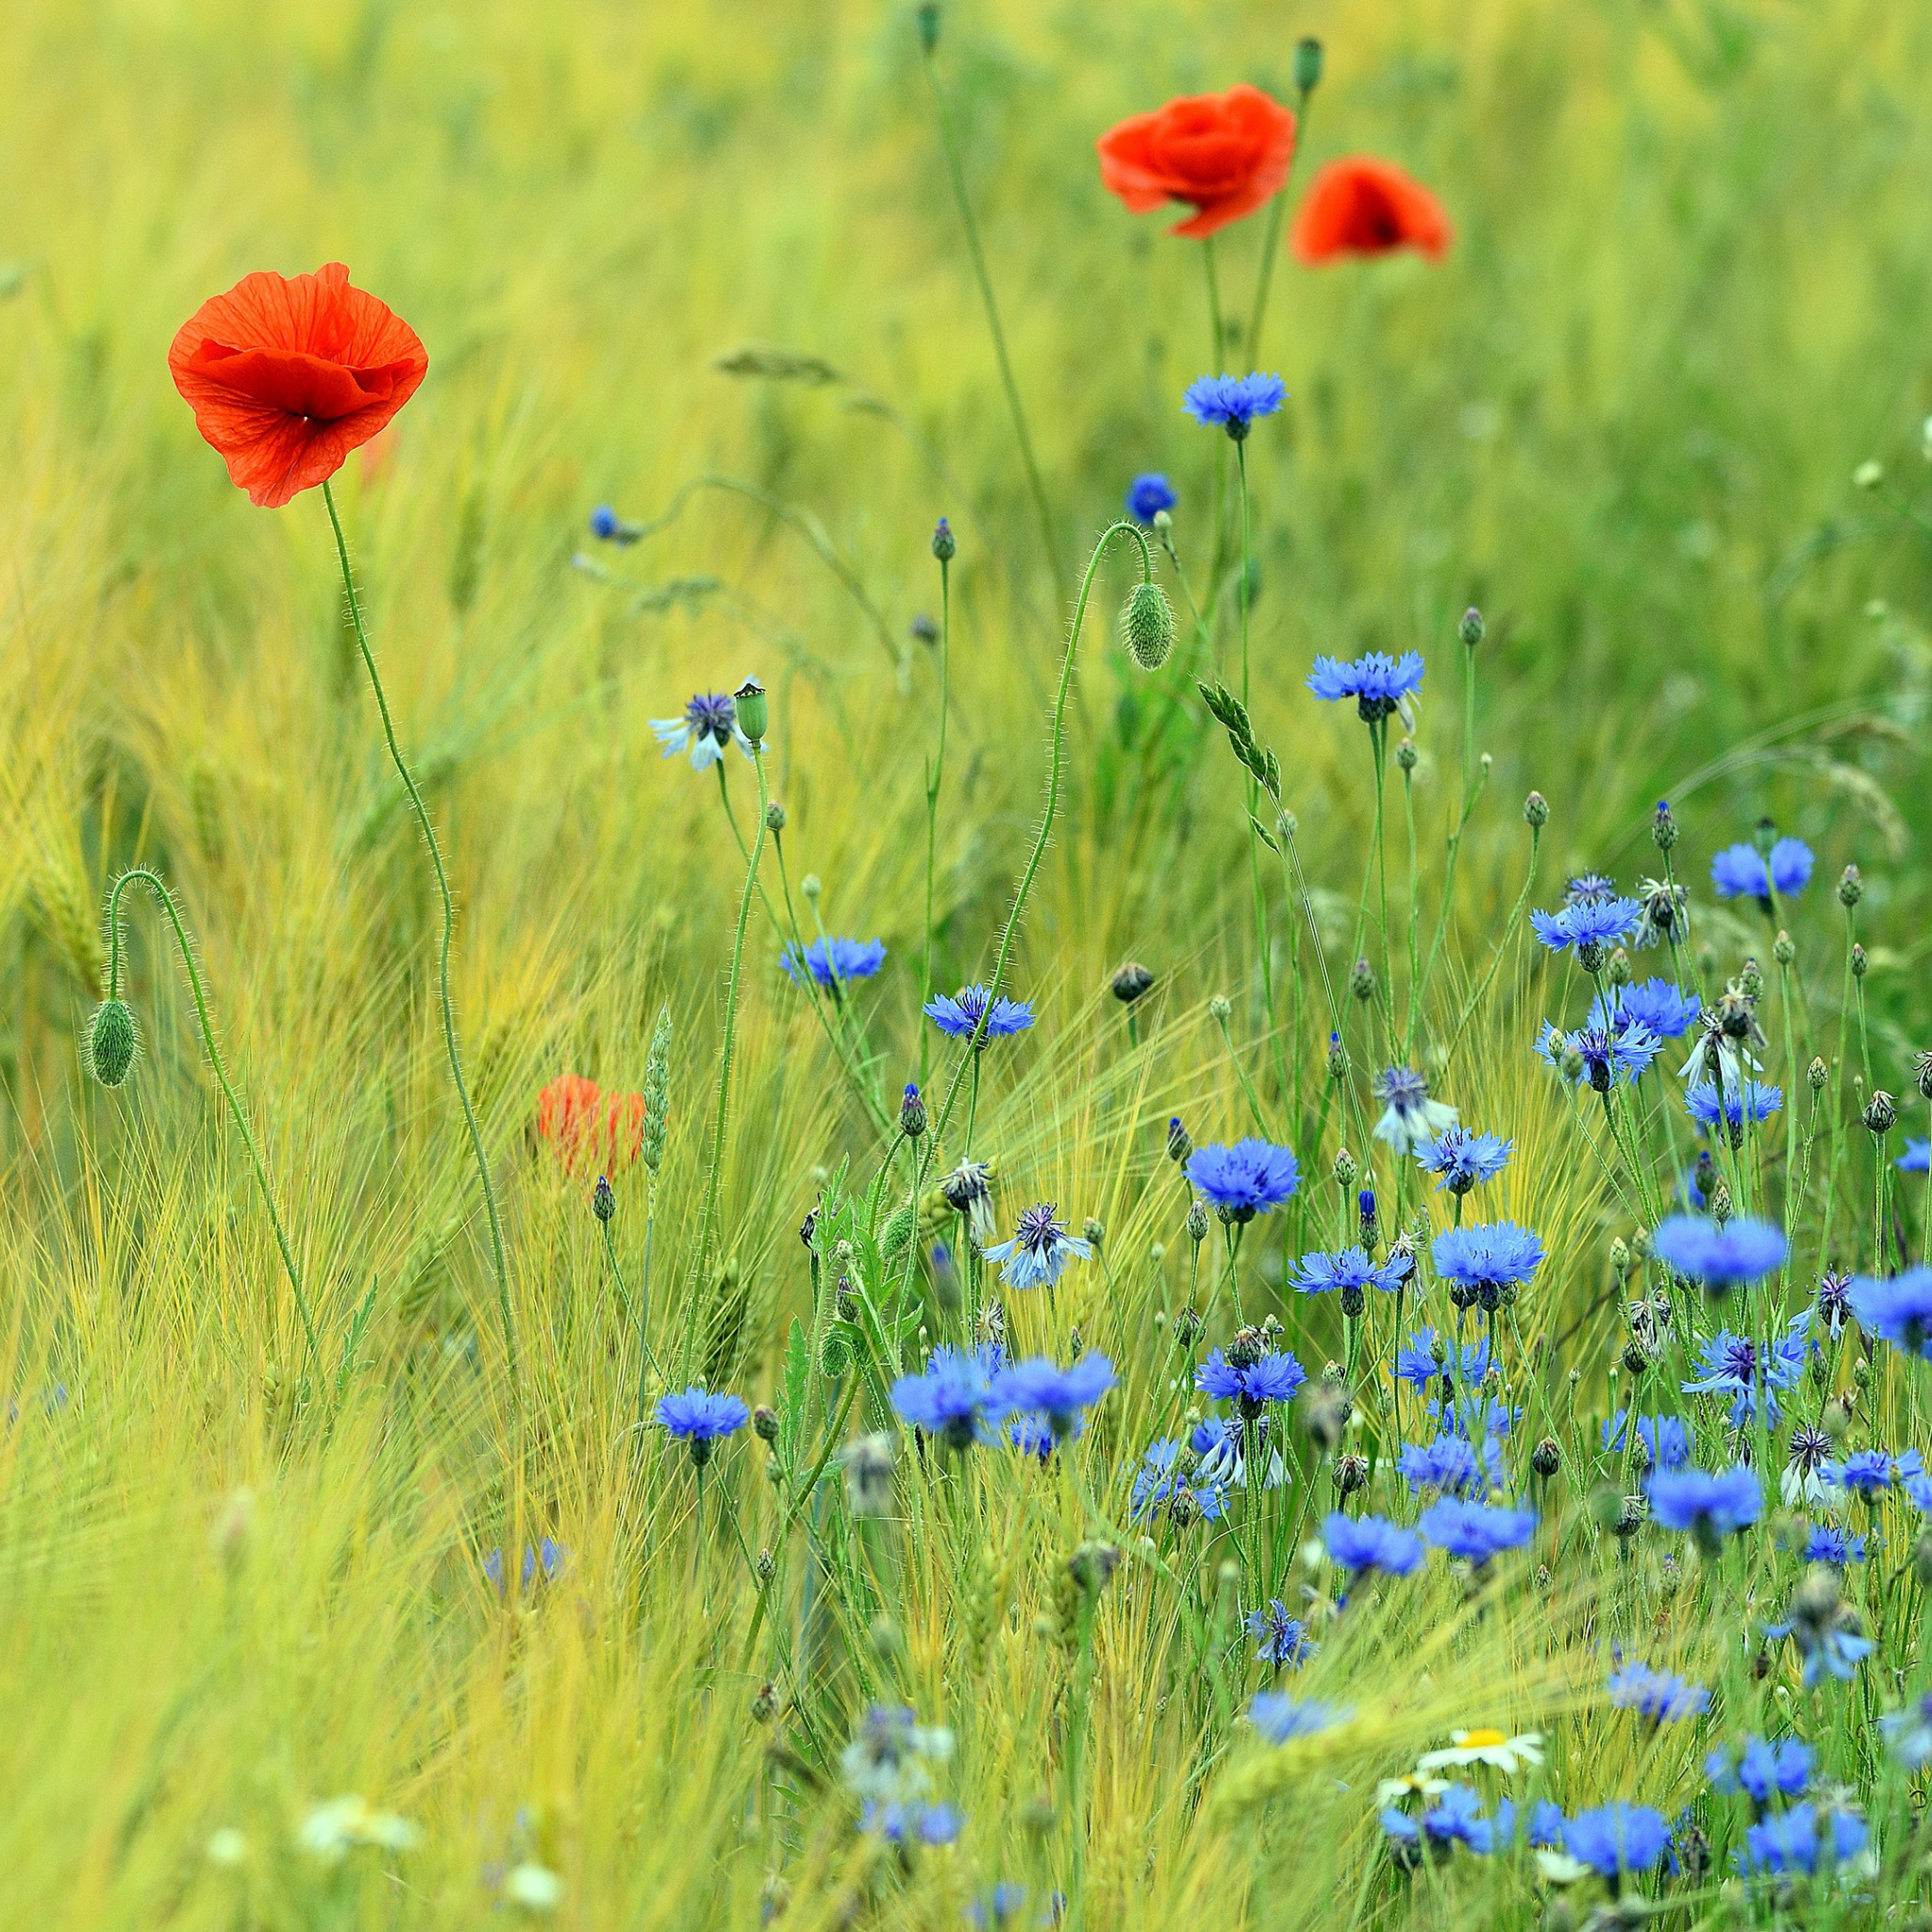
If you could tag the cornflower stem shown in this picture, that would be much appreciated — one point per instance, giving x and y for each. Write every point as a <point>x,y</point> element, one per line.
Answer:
<point>1270,233</point>
<point>716,1176</point>
<point>449,1023</point>
<point>152,880</point>
<point>1476,998</point>
<point>1409,816</point>
<point>644,1314</point>
<point>1046,816</point>
<point>1241,1075</point>
<point>1378,743</point>
<point>1838,1090</point>
<point>645,1361</point>
<point>933,774</point>
<point>957,175</point>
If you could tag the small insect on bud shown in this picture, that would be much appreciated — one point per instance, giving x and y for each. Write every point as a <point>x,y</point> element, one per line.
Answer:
<point>775,818</point>
<point>1179,1142</point>
<point>1472,628</point>
<point>764,1423</point>
<point>945,545</point>
<point>1816,1075</point>
<point>1536,811</point>
<point>911,1113</point>
<point>1338,1056</point>
<point>1197,1222</point>
<point>1147,626</point>
<point>1131,981</point>
<point>1344,1169</point>
<point>111,1043</point>
<point>1307,72</point>
<point>603,1202</point>
<point>1361,981</point>
<point>1220,1009</point>
<point>1663,827</point>
<point>1860,965</point>
<point>1546,1458</point>
<point>924,630</point>
<point>1851,886</point>
<point>1868,476</point>
<point>1618,972</point>
<point>1881,1113</point>
<point>754,714</point>
<point>1406,755</point>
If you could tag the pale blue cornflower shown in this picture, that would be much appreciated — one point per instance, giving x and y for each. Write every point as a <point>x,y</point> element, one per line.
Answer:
<point>1250,1384</point>
<point>1709,1506</point>
<point>952,1400</point>
<point>1618,1840</point>
<point>1909,1733</point>
<point>1362,1543</point>
<point>1463,1160</point>
<point>1453,1465</point>
<point>1038,1386</point>
<point>1039,1250</point>
<point>833,961</point>
<point>1408,1115</point>
<point>699,1418</point>
<point>1744,1102</point>
<point>1474,1532</point>
<point>1916,1158</point>
<point>1762,1769</point>
<point>1656,1005</point>
<point>1733,1366</point>
<point>1802,1839</point>
<point>1480,1263</point>
<point>1285,1645</point>
<point>1350,1268</point>
<point>959,1014</point>
<point>708,724</point>
<point>1279,1717</point>
<point>1148,495</point>
<point>1739,871</point>
<point>1899,1309</point>
<point>1589,926</point>
<point>1660,1696</point>
<point>1665,1441</point>
<point>1721,1257</point>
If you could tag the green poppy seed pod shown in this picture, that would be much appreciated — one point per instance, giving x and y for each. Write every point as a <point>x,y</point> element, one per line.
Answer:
<point>111,1043</point>
<point>603,1202</point>
<point>754,714</point>
<point>1535,811</point>
<point>1851,886</point>
<point>1406,755</point>
<point>944,545</point>
<point>1308,63</point>
<point>1147,626</point>
<point>1783,948</point>
<point>1663,827</point>
<point>775,817</point>
<point>1816,1075</point>
<point>1471,628</point>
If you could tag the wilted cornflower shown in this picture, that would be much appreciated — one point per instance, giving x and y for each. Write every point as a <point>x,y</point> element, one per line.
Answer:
<point>1038,1386</point>
<point>952,1400</point>
<point>1472,1532</point>
<point>1408,1115</point>
<point>708,724</point>
<point>1663,1439</point>
<point>1663,913</point>
<point>889,1760</point>
<point>1738,872</point>
<point>1745,1101</point>
<point>1148,495</point>
<point>1284,1643</point>
<point>1909,1733</point>
<point>1453,1465</point>
<point>1163,1480</point>
<point>1362,1543</point>
<point>1039,1250</point>
<point>1221,1443</point>
<point>1248,1178</point>
<point>1733,1365</point>
<point>1589,926</point>
<point>1803,1480</point>
<point>959,1014</point>
<point>700,1418</point>
<point>1250,1380</point>
<point>1709,1506</point>
<point>1721,1257</point>
<point>1233,401</point>
<point>834,961</point>
<point>1346,1268</point>
<point>1829,1544</point>
<point>1380,684</point>
<point>1618,1840</point>
<point>968,1191</point>
<point>1899,1309</point>
<point>1762,1769</point>
<point>1279,1717</point>
<point>1659,1696</point>
<point>1485,1259</point>
<point>1802,1839</point>
<point>1462,1160</point>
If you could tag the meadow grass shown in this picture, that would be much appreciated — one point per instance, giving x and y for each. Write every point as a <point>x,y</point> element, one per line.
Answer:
<point>651,246</point>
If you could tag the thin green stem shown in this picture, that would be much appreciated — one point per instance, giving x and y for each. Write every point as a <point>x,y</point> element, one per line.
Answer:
<point>935,771</point>
<point>1270,234</point>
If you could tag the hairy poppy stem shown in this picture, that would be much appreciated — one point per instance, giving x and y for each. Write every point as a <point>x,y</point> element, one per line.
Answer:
<point>449,1024</point>
<point>153,881</point>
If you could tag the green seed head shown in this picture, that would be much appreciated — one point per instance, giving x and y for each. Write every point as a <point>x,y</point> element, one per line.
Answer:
<point>111,1043</point>
<point>753,710</point>
<point>1147,626</point>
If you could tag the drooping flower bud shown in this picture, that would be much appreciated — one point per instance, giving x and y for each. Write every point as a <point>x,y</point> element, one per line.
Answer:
<point>1147,626</point>
<point>111,1043</point>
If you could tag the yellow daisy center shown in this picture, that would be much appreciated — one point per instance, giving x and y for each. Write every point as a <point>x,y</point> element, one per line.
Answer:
<point>1473,1739</point>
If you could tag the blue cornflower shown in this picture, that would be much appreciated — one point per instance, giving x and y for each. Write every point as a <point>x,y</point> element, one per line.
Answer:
<point>1738,872</point>
<point>1711,1506</point>
<point>1546,1824</point>
<point>1746,1102</point>
<point>1162,1480</point>
<point>1829,1544</point>
<point>1000,1909</point>
<point>1408,1115</point>
<point>708,724</point>
<point>1609,1053</point>
<point>1350,1268</point>
<point>1589,889</point>
<point>1279,1717</point>
<point>1234,401</point>
<point>1284,1643</point>
<point>1663,1437</point>
<point>1742,1250</point>
<point>952,1400</point>
<point>1589,926</point>
<point>1452,1464</point>
<point>1251,1177</point>
<point>1792,1841</point>
<point>1899,1309</point>
<point>549,1554</point>
<point>1656,1005</point>
<point>833,961</point>
<point>898,1824</point>
<point>1485,1258</point>
<point>1916,1158</point>
<point>1416,1363</point>
<point>1659,1696</point>
<point>1148,495</point>
<point>1038,1387</point>
<point>1370,1542</point>
<point>1733,1366</point>
<point>1618,1839</point>
<point>1909,1733</point>
<point>1453,1818</point>
<point>1462,1159</point>
<point>1763,1769</point>
<point>1249,1384</point>
<point>699,1418</point>
<point>609,527</point>
<point>1031,1437</point>
<point>1378,683</point>
<point>1474,1416</point>
<point>960,1013</point>
<point>1038,1251</point>
<point>1473,1533</point>
<point>1865,1473</point>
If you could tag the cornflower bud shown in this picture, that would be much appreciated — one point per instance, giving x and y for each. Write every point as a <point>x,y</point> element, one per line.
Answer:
<point>1816,1075</point>
<point>1180,1142</point>
<point>1546,1458</point>
<point>1783,949</point>
<point>1344,1169</point>
<point>603,1202</point>
<point>1619,970</point>
<point>1130,982</point>
<point>944,545</point>
<point>1406,755</point>
<point>1881,1114</point>
<point>912,1112</point>
<point>1472,628</point>
<point>1663,827</point>
<point>1859,964</point>
<point>1338,1056</point>
<point>1361,981</point>
<point>1219,1010</point>
<point>775,818</point>
<point>1197,1222</point>
<point>1536,811</point>
<point>764,1423</point>
<point>1851,887</point>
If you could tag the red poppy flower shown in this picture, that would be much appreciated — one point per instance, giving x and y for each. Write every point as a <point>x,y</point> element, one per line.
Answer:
<point>1365,206</point>
<point>578,1118</point>
<point>285,377</point>
<point>1226,154</point>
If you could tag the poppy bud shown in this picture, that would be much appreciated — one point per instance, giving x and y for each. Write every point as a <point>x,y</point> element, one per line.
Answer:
<point>1179,1142</point>
<point>775,818</point>
<point>764,1423</point>
<point>1851,887</point>
<point>1130,982</point>
<point>1308,72</point>
<point>1881,1113</point>
<point>1471,628</point>
<point>111,1043</point>
<point>911,1113</point>
<point>1663,827</point>
<point>1536,811</point>
<point>1147,626</point>
<point>944,546</point>
<point>603,1202</point>
<point>752,712</point>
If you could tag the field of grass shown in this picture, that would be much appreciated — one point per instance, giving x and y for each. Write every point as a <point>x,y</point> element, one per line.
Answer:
<point>706,265</point>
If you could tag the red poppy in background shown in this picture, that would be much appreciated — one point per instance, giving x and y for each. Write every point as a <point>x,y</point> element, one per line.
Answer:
<point>578,1117</point>
<point>1225,154</point>
<point>285,377</point>
<point>1361,205</point>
